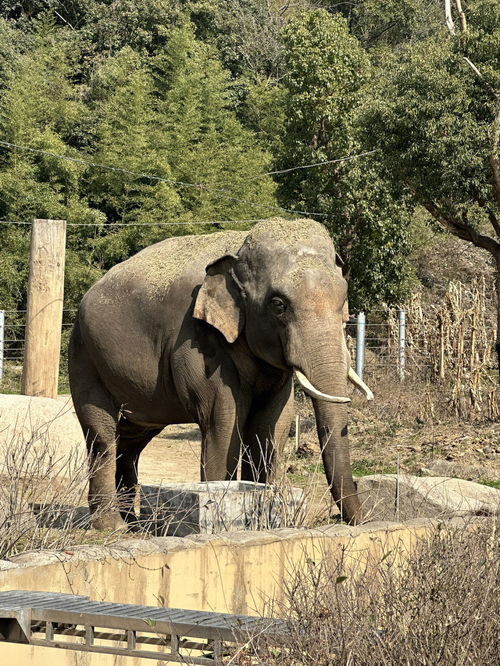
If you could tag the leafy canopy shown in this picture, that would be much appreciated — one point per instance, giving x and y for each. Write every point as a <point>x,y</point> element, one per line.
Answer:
<point>328,74</point>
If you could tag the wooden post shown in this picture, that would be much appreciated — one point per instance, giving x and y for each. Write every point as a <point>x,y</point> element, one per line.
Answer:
<point>297,432</point>
<point>44,309</point>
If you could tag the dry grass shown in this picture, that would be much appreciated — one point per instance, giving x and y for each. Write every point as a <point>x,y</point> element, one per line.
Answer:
<point>440,608</point>
<point>451,344</point>
<point>43,497</point>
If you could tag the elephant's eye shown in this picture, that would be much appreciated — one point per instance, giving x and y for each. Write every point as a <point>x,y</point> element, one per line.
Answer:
<point>278,306</point>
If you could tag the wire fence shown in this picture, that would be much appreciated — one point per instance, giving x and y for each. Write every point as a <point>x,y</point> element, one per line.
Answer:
<point>222,193</point>
<point>12,335</point>
<point>449,346</point>
<point>381,342</point>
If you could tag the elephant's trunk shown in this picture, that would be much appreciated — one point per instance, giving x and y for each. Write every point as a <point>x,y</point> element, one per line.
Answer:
<point>331,423</point>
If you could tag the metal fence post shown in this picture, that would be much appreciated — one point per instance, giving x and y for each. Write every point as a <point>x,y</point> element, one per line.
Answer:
<point>360,343</point>
<point>2,328</point>
<point>402,343</point>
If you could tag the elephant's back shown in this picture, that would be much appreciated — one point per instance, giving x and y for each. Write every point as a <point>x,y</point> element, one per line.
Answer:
<point>154,269</point>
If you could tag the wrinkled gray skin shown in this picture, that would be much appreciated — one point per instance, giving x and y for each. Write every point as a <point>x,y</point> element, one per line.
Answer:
<point>163,338</point>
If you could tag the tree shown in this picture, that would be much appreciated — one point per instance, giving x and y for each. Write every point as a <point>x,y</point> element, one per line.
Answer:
<point>435,119</point>
<point>199,133</point>
<point>123,120</point>
<point>40,107</point>
<point>388,23</point>
<point>163,109</point>
<point>366,213</point>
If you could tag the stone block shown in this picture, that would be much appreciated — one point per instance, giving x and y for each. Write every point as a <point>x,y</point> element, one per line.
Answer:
<point>389,497</point>
<point>60,516</point>
<point>209,507</point>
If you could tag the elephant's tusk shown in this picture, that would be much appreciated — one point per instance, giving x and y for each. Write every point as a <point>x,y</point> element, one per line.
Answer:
<point>359,383</point>
<point>314,393</point>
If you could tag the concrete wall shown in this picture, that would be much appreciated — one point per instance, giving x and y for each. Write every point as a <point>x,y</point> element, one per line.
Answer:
<point>240,572</point>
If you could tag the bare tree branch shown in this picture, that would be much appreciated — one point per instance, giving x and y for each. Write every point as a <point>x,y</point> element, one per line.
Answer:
<point>494,222</point>
<point>461,14</point>
<point>495,166</point>
<point>463,229</point>
<point>449,19</point>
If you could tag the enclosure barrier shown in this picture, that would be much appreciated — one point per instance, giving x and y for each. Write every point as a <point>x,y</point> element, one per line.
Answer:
<point>12,340</point>
<point>402,343</point>
<point>360,344</point>
<point>45,308</point>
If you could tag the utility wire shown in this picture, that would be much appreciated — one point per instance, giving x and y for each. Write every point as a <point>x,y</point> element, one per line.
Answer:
<point>143,224</point>
<point>347,158</point>
<point>199,186</point>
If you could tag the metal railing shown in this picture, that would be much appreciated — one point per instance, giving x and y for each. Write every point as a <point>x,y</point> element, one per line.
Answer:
<point>74,622</point>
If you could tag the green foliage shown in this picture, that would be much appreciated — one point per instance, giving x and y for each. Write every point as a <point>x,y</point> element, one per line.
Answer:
<point>328,75</point>
<point>218,92</point>
<point>491,484</point>
<point>14,244</point>
<point>245,33</point>
<point>164,108</point>
<point>392,22</point>
<point>432,117</point>
<point>201,133</point>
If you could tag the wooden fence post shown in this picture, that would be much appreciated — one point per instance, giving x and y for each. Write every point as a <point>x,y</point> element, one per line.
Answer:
<point>44,309</point>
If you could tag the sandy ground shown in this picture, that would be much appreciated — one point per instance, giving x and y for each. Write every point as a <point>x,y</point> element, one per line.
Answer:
<point>378,443</point>
<point>37,424</point>
<point>172,457</point>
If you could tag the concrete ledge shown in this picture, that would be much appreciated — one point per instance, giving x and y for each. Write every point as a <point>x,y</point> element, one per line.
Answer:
<point>235,572</point>
<point>206,507</point>
<point>393,497</point>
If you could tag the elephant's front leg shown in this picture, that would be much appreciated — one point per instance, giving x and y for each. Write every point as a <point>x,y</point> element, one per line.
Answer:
<point>266,433</point>
<point>221,438</point>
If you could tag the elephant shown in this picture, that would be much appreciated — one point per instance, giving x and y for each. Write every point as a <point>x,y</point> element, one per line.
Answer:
<point>209,329</point>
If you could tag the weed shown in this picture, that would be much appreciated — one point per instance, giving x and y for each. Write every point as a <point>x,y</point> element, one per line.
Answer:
<point>439,606</point>
<point>491,484</point>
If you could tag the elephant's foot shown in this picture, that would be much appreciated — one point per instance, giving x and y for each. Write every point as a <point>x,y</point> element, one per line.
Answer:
<point>110,520</point>
<point>133,523</point>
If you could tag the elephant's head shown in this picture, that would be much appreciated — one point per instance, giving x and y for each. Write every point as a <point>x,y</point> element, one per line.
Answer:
<point>284,291</point>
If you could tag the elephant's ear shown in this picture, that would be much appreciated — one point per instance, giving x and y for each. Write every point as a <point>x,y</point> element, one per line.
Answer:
<point>219,301</point>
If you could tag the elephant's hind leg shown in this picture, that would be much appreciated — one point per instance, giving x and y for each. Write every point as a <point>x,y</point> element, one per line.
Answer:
<point>132,440</point>
<point>98,416</point>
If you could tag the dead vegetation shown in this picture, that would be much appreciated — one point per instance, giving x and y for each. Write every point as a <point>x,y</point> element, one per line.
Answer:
<point>451,344</point>
<point>43,497</point>
<point>441,607</point>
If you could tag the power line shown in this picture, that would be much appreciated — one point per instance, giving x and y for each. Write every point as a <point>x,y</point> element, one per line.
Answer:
<point>347,158</point>
<point>199,186</point>
<point>143,224</point>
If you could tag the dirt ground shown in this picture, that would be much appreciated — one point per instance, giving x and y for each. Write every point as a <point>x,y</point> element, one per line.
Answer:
<point>379,444</point>
<point>382,440</point>
<point>173,457</point>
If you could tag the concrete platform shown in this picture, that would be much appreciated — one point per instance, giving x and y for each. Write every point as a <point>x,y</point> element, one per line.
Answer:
<point>209,507</point>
